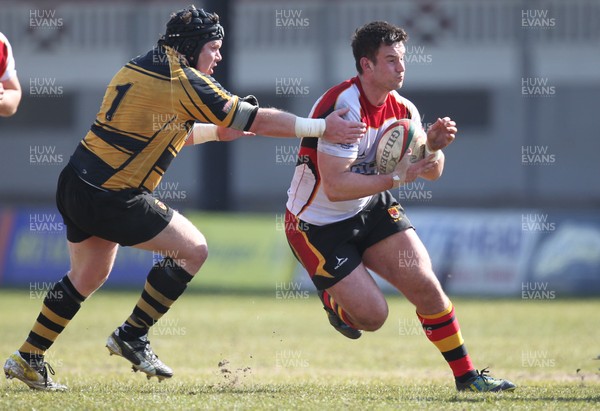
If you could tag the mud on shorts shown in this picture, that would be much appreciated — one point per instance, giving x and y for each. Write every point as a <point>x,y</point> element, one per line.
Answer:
<point>331,252</point>
<point>127,217</point>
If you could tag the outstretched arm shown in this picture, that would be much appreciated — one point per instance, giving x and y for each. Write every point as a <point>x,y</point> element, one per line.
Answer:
<point>203,132</point>
<point>277,123</point>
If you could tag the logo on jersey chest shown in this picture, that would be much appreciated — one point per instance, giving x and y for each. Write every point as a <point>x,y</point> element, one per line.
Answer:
<point>364,168</point>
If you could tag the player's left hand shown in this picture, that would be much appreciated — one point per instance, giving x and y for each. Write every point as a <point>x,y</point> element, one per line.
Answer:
<point>409,171</point>
<point>1,92</point>
<point>230,134</point>
<point>341,131</point>
<point>441,133</point>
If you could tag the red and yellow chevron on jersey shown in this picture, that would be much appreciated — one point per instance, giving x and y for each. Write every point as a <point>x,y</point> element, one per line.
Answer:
<point>306,198</point>
<point>148,110</point>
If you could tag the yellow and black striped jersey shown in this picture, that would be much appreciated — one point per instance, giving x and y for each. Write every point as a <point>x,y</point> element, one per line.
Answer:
<point>148,110</point>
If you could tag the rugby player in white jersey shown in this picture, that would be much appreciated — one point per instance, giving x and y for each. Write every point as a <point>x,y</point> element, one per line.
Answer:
<point>342,219</point>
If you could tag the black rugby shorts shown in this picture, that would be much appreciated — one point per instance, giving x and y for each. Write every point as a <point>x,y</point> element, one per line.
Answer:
<point>127,217</point>
<point>331,252</point>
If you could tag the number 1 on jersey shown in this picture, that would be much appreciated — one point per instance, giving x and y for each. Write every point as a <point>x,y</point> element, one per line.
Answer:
<point>121,90</point>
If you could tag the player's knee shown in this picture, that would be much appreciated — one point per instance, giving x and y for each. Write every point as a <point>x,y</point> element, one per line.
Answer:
<point>375,318</point>
<point>373,323</point>
<point>430,294</point>
<point>86,281</point>
<point>197,256</point>
<point>202,252</point>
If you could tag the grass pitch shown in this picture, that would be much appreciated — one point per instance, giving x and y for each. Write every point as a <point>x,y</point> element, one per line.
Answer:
<point>263,352</point>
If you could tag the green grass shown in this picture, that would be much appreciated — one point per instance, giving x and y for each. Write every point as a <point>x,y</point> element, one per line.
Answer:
<point>248,252</point>
<point>282,354</point>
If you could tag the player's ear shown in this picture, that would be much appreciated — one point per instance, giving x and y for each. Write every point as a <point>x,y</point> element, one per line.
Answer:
<point>366,64</point>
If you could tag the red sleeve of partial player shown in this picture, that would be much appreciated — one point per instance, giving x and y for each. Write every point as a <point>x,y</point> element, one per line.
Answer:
<point>3,58</point>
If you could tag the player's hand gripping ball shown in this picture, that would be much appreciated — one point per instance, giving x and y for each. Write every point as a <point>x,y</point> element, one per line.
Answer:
<point>396,141</point>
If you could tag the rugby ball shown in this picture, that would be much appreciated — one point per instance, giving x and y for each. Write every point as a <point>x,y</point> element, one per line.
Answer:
<point>394,142</point>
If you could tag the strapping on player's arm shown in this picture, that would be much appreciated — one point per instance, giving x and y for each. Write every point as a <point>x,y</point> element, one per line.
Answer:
<point>204,132</point>
<point>333,128</point>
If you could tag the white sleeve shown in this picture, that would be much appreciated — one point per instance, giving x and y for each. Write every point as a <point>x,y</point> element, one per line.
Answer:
<point>341,150</point>
<point>338,150</point>
<point>10,71</point>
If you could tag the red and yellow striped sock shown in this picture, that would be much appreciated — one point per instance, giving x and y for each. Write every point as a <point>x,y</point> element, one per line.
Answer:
<point>331,303</point>
<point>443,331</point>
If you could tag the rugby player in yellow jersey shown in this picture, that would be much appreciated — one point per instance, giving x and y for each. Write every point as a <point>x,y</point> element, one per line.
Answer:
<point>104,193</point>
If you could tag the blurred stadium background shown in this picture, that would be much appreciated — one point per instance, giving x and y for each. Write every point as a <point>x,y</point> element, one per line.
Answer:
<point>515,214</point>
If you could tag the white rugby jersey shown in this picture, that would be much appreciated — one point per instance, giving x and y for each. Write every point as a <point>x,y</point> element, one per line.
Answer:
<point>7,62</point>
<point>306,197</point>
